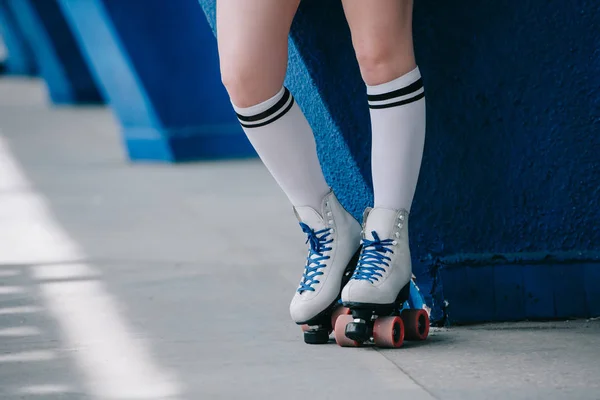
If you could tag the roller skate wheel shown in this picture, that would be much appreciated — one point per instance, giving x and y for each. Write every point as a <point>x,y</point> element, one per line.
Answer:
<point>388,332</point>
<point>316,336</point>
<point>340,332</point>
<point>416,324</point>
<point>337,313</point>
<point>304,327</point>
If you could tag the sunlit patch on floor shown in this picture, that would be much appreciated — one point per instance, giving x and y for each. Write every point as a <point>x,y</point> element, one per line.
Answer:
<point>114,361</point>
<point>27,356</point>
<point>7,273</point>
<point>11,290</point>
<point>44,389</point>
<point>63,271</point>
<point>19,310</point>
<point>19,331</point>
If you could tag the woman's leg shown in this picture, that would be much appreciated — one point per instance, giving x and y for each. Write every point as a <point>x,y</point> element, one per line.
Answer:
<point>253,50</point>
<point>382,38</point>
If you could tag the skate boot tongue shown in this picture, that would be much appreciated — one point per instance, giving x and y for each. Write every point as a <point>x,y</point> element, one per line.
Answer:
<point>381,220</point>
<point>310,217</point>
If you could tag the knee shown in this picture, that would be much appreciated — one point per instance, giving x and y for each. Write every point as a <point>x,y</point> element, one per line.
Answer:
<point>382,62</point>
<point>248,84</point>
<point>239,82</point>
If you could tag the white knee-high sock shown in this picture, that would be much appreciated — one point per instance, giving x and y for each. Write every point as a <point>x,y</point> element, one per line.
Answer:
<point>398,128</point>
<point>285,143</point>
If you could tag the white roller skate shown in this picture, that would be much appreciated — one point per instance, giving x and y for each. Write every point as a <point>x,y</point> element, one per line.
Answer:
<point>380,285</point>
<point>333,236</point>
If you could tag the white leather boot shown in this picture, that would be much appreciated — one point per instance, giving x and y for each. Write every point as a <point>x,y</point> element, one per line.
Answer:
<point>333,236</point>
<point>384,269</point>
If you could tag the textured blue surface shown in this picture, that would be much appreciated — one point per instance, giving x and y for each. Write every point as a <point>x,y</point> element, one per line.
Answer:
<point>56,52</point>
<point>525,288</point>
<point>512,158</point>
<point>20,60</point>
<point>569,291</point>
<point>157,63</point>
<point>591,275</point>
<point>509,295</point>
<point>539,292</point>
<point>537,285</point>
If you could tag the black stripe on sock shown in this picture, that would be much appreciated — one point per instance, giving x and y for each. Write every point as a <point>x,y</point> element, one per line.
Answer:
<point>288,108</point>
<point>413,87</point>
<point>398,103</point>
<point>265,114</point>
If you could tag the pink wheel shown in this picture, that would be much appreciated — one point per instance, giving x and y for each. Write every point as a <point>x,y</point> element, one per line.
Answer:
<point>340,332</point>
<point>416,324</point>
<point>337,313</point>
<point>304,327</point>
<point>388,332</point>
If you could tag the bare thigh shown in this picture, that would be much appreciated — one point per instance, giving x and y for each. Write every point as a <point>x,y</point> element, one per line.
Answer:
<point>253,47</point>
<point>382,37</point>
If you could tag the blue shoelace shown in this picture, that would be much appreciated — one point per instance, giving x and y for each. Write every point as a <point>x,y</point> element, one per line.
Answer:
<point>314,263</point>
<point>373,258</point>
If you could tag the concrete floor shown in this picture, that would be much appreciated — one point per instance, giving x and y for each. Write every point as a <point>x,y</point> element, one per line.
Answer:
<point>122,281</point>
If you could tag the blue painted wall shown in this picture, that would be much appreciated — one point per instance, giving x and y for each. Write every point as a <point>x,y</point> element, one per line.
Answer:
<point>157,63</point>
<point>56,53</point>
<point>507,209</point>
<point>19,60</point>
